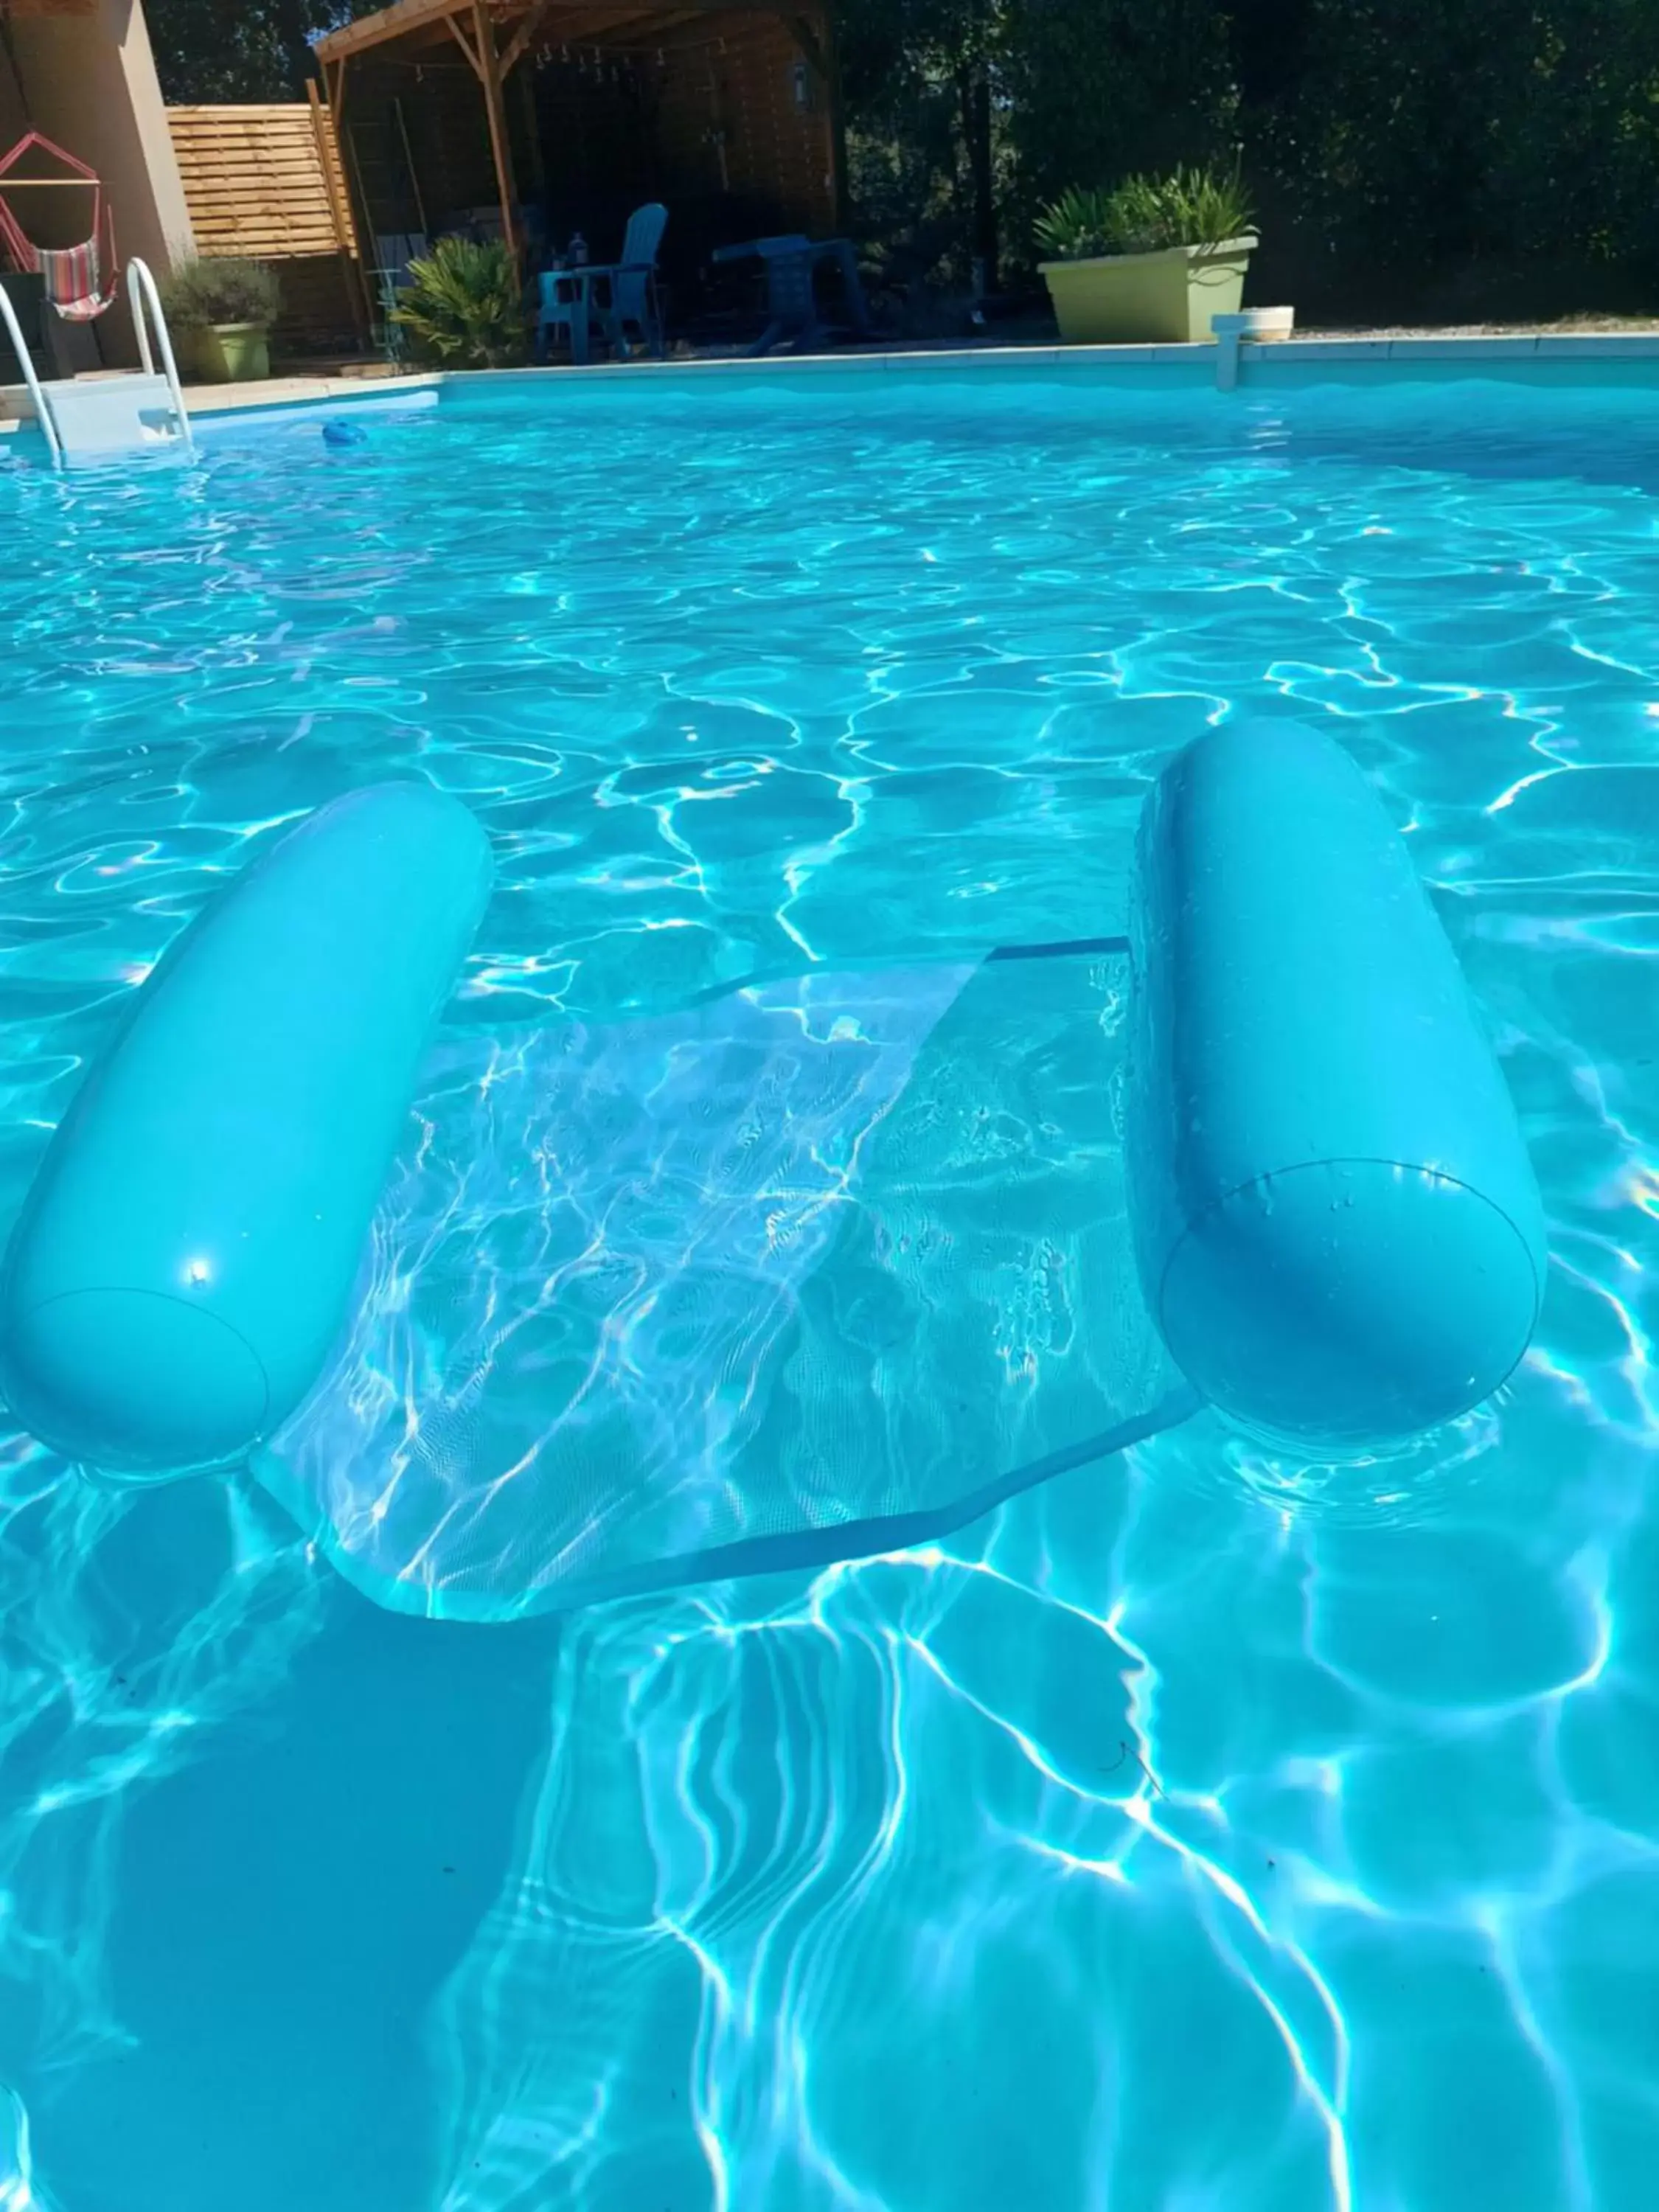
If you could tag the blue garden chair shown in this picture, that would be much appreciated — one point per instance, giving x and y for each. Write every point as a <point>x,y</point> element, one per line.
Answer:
<point>393,252</point>
<point>618,295</point>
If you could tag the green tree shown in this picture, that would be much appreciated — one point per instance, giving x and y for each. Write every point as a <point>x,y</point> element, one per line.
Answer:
<point>1415,133</point>
<point>966,115</point>
<point>232,49</point>
<point>921,79</point>
<point>1098,89</point>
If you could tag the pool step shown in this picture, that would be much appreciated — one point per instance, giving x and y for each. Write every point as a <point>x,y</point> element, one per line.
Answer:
<point>104,417</point>
<point>110,417</point>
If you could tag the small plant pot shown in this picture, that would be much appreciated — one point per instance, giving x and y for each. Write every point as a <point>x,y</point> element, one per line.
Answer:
<point>1266,325</point>
<point>1122,298</point>
<point>230,353</point>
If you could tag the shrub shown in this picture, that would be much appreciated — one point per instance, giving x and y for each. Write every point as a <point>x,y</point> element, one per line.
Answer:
<point>206,291</point>
<point>462,305</point>
<point>1144,215</point>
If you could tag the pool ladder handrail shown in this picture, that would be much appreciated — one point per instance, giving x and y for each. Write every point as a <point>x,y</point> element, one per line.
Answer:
<point>146,310</point>
<point>25,361</point>
<point>146,305</point>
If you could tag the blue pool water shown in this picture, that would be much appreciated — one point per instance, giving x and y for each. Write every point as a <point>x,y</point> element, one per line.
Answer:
<point>1201,1830</point>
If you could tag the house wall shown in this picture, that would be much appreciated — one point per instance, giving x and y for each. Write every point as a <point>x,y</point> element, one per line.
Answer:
<point>88,78</point>
<point>14,115</point>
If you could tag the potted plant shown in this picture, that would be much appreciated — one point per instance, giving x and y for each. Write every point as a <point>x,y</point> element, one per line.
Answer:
<point>462,305</point>
<point>1153,258</point>
<point>222,312</point>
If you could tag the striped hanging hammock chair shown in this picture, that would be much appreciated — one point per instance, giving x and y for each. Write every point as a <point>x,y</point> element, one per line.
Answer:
<point>75,275</point>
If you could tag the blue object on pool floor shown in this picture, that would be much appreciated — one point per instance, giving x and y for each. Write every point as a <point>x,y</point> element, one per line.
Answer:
<point>185,1258</point>
<point>1337,1223</point>
<point>344,433</point>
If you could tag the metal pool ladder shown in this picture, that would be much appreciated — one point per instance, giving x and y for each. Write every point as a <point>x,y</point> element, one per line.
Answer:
<point>105,418</point>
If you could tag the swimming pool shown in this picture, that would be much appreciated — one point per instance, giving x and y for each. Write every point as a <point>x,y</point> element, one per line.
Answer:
<point>1203,1829</point>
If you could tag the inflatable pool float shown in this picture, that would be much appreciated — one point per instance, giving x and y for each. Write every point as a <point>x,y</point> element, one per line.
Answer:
<point>812,1267</point>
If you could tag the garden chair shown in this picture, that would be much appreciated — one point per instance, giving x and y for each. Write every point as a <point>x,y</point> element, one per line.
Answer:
<point>393,252</point>
<point>791,263</point>
<point>617,295</point>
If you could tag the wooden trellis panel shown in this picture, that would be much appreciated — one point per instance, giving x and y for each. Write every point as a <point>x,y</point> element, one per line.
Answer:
<point>265,183</point>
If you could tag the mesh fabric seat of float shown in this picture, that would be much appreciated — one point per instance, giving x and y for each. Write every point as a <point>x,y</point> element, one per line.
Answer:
<point>820,1267</point>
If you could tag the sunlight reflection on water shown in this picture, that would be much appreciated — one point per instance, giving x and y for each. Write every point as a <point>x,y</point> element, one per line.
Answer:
<point>1201,1829</point>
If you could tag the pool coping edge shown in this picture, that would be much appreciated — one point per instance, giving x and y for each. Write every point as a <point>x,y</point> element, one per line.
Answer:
<point>1260,362</point>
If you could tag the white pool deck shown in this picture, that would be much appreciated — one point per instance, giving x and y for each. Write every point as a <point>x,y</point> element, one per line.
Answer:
<point>1540,358</point>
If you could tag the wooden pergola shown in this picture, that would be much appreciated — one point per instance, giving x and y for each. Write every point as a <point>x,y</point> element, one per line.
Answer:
<point>497,37</point>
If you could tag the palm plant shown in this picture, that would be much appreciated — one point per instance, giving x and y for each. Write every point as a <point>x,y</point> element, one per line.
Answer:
<point>1144,215</point>
<point>462,305</point>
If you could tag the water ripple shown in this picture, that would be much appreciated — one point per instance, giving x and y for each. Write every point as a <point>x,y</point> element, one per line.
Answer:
<point>1206,1828</point>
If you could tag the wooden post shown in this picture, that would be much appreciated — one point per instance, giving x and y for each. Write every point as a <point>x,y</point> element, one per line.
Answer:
<point>337,91</point>
<point>501,145</point>
<point>836,118</point>
<point>973,95</point>
<point>351,267</point>
<point>532,131</point>
<point>414,174</point>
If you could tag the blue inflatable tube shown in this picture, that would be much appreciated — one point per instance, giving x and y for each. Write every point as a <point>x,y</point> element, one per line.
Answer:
<point>185,1260</point>
<point>1336,1223</point>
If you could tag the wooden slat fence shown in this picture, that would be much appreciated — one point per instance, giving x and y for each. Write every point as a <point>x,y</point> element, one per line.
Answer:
<point>266,182</point>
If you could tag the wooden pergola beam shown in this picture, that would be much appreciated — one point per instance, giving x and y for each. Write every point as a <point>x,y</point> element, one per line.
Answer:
<point>393,22</point>
<point>481,51</point>
<point>351,267</point>
<point>683,29</point>
<point>632,31</point>
<point>500,139</point>
<point>518,43</point>
<point>335,91</point>
<point>474,54</point>
<point>406,16</point>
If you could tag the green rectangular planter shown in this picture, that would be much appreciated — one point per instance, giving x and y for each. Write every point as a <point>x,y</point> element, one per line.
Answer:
<point>1169,297</point>
<point>228,353</point>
